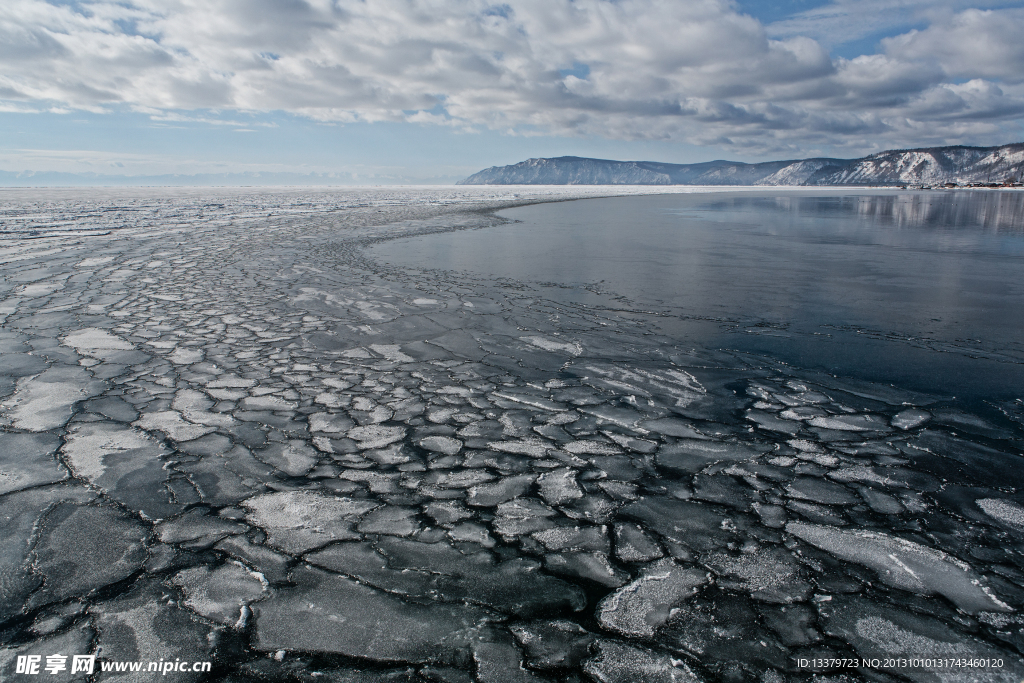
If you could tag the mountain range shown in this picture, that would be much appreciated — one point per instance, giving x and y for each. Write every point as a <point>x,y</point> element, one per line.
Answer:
<point>928,166</point>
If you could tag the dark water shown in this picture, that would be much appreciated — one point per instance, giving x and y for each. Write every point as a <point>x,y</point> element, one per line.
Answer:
<point>920,289</point>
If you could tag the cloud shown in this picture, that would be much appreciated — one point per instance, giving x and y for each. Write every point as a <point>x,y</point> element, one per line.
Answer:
<point>974,43</point>
<point>695,71</point>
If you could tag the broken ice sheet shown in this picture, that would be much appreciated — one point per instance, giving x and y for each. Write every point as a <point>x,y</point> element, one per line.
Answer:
<point>905,564</point>
<point>108,547</point>
<point>77,640</point>
<point>1005,511</point>
<point>44,401</point>
<point>639,608</point>
<point>143,624</point>
<point>442,572</point>
<point>125,463</point>
<point>449,468</point>
<point>883,632</point>
<point>20,513</point>
<point>220,594</point>
<point>27,460</point>
<point>554,644</point>
<point>771,575</point>
<point>620,663</point>
<point>297,521</point>
<point>330,613</point>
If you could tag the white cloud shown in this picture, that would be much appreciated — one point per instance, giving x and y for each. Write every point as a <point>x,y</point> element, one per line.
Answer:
<point>974,43</point>
<point>696,71</point>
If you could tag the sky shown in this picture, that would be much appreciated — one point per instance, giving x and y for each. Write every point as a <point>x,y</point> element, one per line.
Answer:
<point>430,91</point>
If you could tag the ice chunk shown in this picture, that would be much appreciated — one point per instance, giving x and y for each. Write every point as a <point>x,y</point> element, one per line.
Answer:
<point>556,644</point>
<point>195,529</point>
<point>851,423</point>
<point>185,355</point>
<point>593,538</point>
<point>515,586</point>
<point>536,448</point>
<point>77,641</point>
<point>195,407</point>
<point>330,613</point>
<point>294,458</point>
<point>219,594</point>
<point>619,663</point>
<point>460,479</point>
<point>632,544</point>
<point>376,436</point>
<point>772,422</point>
<point>91,338</point>
<point>441,444</point>
<point>330,423</point>
<point>770,575</point>
<point>447,512</point>
<point>173,425</point>
<point>820,491</point>
<point>722,629</point>
<point>125,463</point>
<point>572,348</point>
<point>904,564</point>
<point>83,548</point>
<point>677,387</point>
<point>593,566</point>
<point>793,624</point>
<point>772,516</point>
<point>471,532</point>
<point>273,566</point>
<point>363,562</point>
<point>274,403</point>
<point>632,443</point>
<point>227,477</point>
<point>28,460</point>
<point>882,503</point>
<point>889,477</point>
<point>392,352</point>
<point>693,455</point>
<point>20,512</point>
<point>882,632</point>
<point>231,382</point>
<point>391,520</point>
<point>525,398</point>
<point>44,401</point>
<point>1005,511</point>
<point>559,486</point>
<point>489,495</point>
<point>143,621</point>
<point>297,521</point>
<point>522,516</point>
<point>639,608</point>
<point>910,418</point>
<point>498,660</point>
<point>691,524</point>
<point>671,426</point>
<point>591,448</point>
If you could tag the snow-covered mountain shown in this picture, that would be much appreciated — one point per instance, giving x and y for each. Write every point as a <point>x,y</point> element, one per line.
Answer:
<point>961,165</point>
<point>932,166</point>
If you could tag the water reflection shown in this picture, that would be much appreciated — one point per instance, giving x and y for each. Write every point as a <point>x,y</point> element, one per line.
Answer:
<point>994,211</point>
<point>846,280</point>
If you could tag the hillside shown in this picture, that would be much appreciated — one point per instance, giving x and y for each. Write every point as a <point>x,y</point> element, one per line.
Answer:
<point>931,166</point>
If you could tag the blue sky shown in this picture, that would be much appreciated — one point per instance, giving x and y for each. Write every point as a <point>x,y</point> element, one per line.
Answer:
<point>410,91</point>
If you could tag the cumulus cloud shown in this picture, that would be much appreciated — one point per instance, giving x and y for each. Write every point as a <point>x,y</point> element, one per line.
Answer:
<point>698,71</point>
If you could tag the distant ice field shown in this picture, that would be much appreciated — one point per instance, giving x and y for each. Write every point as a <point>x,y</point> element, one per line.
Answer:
<point>919,288</point>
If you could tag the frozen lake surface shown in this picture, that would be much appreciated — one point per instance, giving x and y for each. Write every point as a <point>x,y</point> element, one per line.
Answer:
<point>233,430</point>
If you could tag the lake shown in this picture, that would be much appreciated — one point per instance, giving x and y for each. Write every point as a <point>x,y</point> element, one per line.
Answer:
<point>920,289</point>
